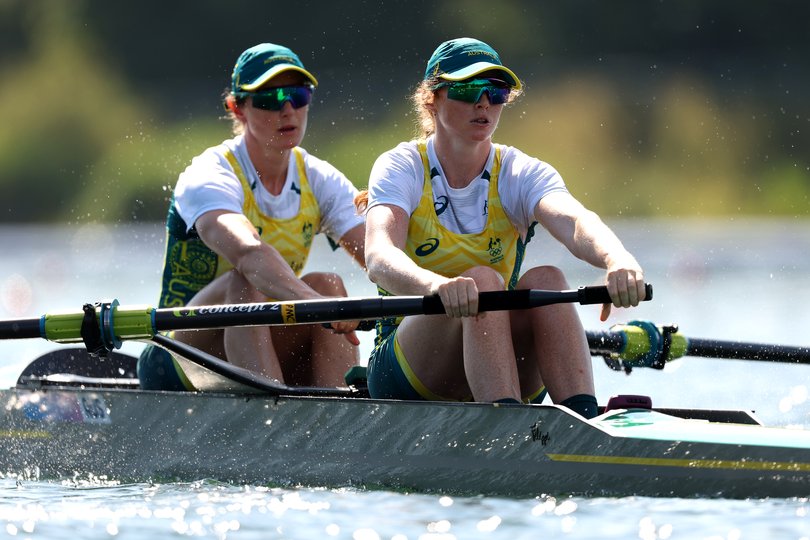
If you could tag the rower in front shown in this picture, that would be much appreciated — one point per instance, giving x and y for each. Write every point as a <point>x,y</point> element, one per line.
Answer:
<point>450,214</point>
<point>240,228</point>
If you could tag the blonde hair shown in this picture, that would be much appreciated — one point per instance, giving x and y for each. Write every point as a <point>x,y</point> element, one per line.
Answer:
<point>421,97</point>
<point>231,101</point>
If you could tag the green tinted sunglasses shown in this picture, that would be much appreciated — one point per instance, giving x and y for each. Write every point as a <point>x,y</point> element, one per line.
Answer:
<point>273,99</point>
<point>471,91</point>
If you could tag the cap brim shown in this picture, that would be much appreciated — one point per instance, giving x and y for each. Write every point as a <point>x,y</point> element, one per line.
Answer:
<point>480,67</point>
<point>272,72</point>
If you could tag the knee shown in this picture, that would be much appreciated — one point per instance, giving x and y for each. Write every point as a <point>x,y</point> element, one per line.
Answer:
<point>486,278</point>
<point>543,277</point>
<point>229,288</point>
<point>239,290</point>
<point>326,283</point>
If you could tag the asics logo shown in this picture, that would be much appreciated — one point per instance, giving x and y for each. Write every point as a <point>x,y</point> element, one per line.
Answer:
<point>428,247</point>
<point>440,205</point>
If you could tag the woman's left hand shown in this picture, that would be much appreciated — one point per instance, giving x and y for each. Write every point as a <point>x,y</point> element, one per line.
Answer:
<point>625,283</point>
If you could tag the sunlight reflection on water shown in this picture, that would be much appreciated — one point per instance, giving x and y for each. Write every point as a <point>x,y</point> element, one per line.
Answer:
<point>217,510</point>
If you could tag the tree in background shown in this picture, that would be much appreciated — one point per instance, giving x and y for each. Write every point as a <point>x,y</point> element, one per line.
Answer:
<point>656,109</point>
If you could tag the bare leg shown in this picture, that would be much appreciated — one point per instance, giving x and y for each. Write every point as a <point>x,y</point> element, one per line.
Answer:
<point>456,357</point>
<point>250,347</point>
<point>312,355</point>
<point>552,339</point>
<point>308,355</point>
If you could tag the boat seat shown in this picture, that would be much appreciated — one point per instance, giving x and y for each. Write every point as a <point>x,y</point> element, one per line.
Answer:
<point>628,401</point>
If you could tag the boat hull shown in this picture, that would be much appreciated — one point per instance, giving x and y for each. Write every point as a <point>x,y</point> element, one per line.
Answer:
<point>463,449</point>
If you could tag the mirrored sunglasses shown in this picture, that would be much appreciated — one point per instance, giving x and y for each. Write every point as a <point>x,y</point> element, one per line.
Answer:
<point>273,99</point>
<point>471,91</point>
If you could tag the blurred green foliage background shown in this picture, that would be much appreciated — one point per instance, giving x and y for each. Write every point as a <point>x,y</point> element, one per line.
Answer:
<point>647,108</point>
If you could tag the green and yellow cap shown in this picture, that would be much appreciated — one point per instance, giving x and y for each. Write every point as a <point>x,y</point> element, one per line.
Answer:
<point>262,62</point>
<point>462,58</point>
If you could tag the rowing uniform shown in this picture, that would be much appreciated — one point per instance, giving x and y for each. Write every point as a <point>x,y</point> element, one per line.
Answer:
<point>487,223</point>
<point>316,197</point>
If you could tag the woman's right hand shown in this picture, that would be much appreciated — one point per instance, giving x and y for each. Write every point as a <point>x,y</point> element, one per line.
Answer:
<point>459,296</point>
<point>347,329</point>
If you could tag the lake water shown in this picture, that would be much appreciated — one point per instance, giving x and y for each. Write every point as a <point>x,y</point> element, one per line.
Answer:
<point>721,279</point>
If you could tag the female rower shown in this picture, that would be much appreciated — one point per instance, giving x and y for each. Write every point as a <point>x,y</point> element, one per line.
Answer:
<point>450,214</point>
<point>240,228</point>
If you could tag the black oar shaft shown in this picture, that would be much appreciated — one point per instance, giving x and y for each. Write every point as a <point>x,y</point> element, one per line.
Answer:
<point>115,322</point>
<point>731,350</point>
<point>354,309</point>
<point>140,322</point>
<point>614,342</point>
<point>604,342</point>
<point>20,329</point>
<point>288,313</point>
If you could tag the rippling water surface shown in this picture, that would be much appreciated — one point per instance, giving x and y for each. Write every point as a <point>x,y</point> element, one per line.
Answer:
<point>727,280</point>
<point>207,509</point>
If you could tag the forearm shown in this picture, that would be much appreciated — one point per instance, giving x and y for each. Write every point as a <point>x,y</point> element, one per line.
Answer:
<point>581,231</point>
<point>588,238</point>
<point>265,269</point>
<point>595,243</point>
<point>390,268</point>
<point>233,237</point>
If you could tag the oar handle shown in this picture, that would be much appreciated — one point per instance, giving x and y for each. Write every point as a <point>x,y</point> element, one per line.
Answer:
<point>599,294</point>
<point>502,300</point>
<point>531,298</point>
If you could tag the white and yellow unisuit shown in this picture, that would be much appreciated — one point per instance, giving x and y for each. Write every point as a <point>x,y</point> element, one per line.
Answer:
<point>487,223</point>
<point>316,197</point>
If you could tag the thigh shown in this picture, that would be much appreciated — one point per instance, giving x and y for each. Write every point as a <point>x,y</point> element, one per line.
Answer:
<point>387,377</point>
<point>432,348</point>
<point>293,348</point>
<point>549,337</point>
<point>295,345</point>
<point>216,292</point>
<point>531,325</point>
